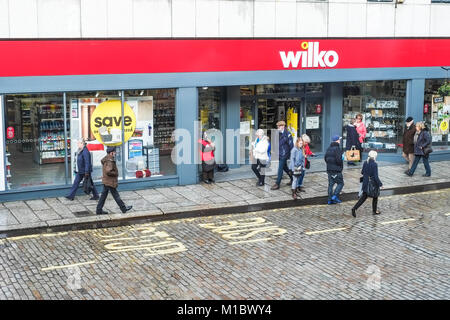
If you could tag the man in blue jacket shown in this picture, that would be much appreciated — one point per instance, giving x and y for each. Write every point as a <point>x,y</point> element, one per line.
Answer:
<point>335,164</point>
<point>285,146</point>
<point>84,169</point>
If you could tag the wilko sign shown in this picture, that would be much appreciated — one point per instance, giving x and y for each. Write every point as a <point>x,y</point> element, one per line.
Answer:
<point>310,57</point>
<point>150,56</point>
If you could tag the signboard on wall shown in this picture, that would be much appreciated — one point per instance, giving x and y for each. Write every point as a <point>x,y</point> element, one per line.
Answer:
<point>87,57</point>
<point>312,123</point>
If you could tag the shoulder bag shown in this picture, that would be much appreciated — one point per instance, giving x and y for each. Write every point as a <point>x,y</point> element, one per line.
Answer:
<point>373,190</point>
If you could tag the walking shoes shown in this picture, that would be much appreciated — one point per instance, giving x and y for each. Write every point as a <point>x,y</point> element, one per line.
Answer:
<point>127,208</point>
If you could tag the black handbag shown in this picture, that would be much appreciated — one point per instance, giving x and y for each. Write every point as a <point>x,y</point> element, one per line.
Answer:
<point>427,150</point>
<point>307,164</point>
<point>373,190</point>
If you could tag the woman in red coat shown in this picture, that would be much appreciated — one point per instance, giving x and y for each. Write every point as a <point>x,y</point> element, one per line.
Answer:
<point>308,153</point>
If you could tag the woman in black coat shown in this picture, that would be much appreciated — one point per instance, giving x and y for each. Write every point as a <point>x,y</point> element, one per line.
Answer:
<point>352,140</point>
<point>369,170</point>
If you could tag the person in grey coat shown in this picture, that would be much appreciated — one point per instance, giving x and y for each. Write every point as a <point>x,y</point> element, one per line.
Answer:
<point>297,161</point>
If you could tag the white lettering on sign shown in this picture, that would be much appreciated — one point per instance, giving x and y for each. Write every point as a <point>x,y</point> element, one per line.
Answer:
<point>311,57</point>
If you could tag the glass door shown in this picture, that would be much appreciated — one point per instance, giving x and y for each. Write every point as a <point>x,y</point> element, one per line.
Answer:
<point>312,121</point>
<point>247,127</point>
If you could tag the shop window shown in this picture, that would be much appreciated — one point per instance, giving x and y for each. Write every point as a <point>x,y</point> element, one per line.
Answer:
<point>87,125</point>
<point>150,147</point>
<point>209,100</point>
<point>382,106</point>
<point>35,140</point>
<point>437,111</point>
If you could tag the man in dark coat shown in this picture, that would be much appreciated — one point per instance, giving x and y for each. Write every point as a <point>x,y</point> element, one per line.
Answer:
<point>335,164</point>
<point>84,169</point>
<point>408,142</point>
<point>352,140</point>
<point>286,144</point>
<point>110,182</point>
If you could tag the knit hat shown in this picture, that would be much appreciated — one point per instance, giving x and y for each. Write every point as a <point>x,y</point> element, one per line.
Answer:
<point>110,149</point>
<point>409,119</point>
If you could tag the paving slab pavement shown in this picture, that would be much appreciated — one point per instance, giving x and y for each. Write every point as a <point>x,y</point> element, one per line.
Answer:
<point>51,212</point>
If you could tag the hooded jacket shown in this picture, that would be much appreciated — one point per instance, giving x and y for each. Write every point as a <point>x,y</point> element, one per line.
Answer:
<point>110,171</point>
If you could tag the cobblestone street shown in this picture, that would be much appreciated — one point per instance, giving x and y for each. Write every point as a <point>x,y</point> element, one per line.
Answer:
<point>311,252</point>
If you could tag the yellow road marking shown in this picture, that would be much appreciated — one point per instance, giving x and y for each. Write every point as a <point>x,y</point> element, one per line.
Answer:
<point>395,221</point>
<point>323,231</point>
<point>447,214</point>
<point>67,266</point>
<point>247,241</point>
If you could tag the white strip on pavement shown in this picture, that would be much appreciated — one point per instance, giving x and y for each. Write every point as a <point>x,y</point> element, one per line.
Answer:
<point>67,266</point>
<point>396,221</point>
<point>248,241</point>
<point>323,231</point>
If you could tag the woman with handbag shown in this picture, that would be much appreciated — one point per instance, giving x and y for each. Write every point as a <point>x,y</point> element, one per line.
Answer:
<point>422,149</point>
<point>353,140</point>
<point>371,183</point>
<point>297,164</point>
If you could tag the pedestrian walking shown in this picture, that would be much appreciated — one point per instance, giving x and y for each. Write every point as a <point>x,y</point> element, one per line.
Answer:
<point>335,163</point>
<point>371,183</point>
<point>408,142</point>
<point>308,153</point>
<point>285,146</point>
<point>353,140</point>
<point>110,182</point>
<point>207,148</point>
<point>83,169</point>
<point>360,128</point>
<point>260,156</point>
<point>422,149</point>
<point>297,165</point>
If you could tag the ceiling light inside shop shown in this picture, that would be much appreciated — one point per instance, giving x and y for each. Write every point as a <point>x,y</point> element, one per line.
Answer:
<point>141,93</point>
<point>97,94</point>
<point>205,88</point>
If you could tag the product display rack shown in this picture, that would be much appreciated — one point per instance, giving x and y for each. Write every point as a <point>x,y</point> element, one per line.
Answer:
<point>8,170</point>
<point>164,122</point>
<point>26,125</point>
<point>49,132</point>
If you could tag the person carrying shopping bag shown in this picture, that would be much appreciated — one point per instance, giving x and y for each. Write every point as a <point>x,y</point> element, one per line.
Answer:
<point>260,156</point>
<point>83,170</point>
<point>297,164</point>
<point>371,184</point>
<point>352,142</point>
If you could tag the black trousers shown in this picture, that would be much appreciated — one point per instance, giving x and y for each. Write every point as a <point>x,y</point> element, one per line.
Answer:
<point>363,199</point>
<point>208,175</point>
<point>256,171</point>
<point>115,195</point>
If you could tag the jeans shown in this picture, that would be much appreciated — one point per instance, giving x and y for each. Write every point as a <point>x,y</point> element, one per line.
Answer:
<point>297,181</point>
<point>260,175</point>
<point>115,195</point>
<point>76,183</point>
<point>282,165</point>
<point>335,178</point>
<point>363,199</point>
<point>425,163</point>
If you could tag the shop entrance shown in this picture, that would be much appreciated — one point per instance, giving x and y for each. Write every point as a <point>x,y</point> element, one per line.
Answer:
<point>299,105</point>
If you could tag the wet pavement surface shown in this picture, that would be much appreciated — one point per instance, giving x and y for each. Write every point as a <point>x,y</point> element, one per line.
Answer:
<point>309,252</point>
